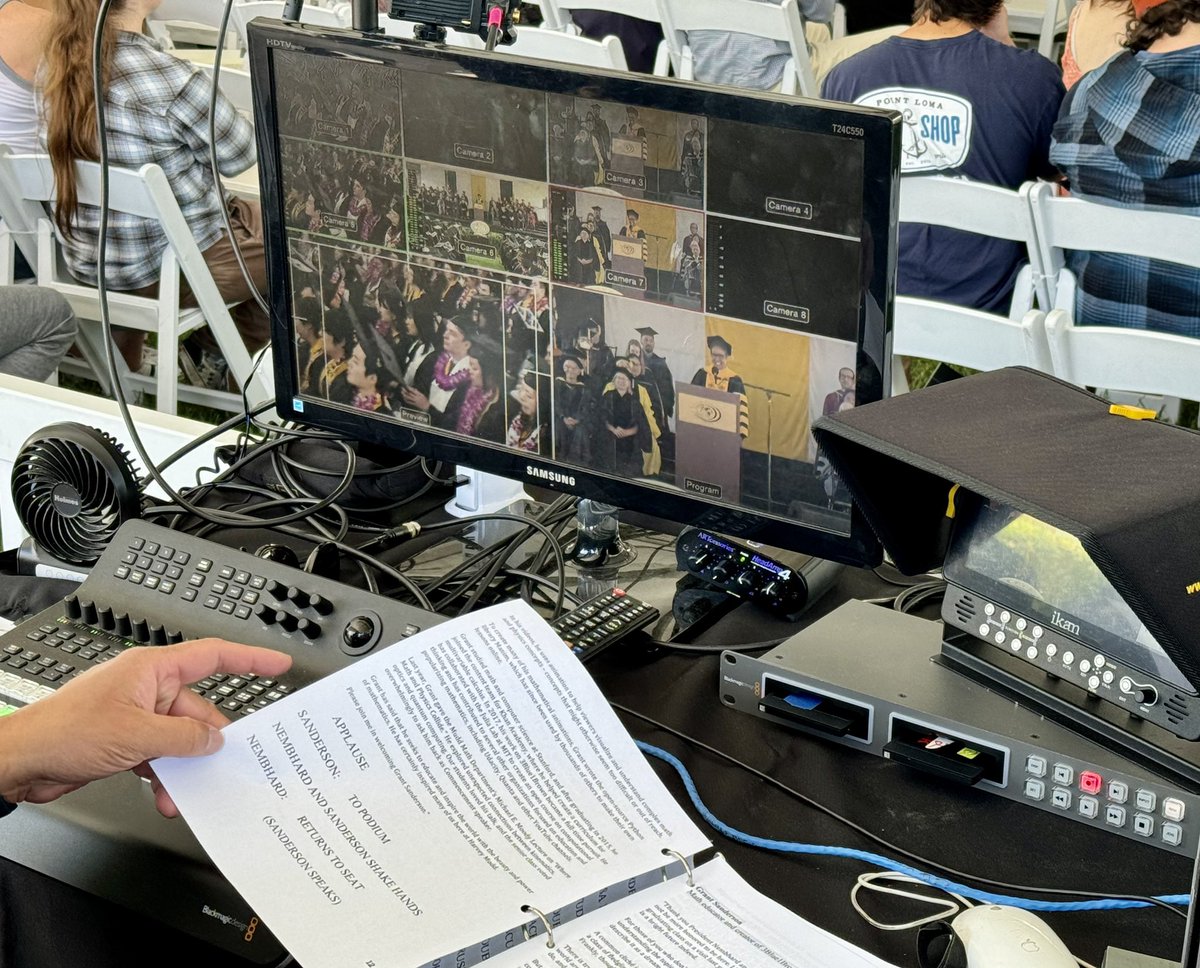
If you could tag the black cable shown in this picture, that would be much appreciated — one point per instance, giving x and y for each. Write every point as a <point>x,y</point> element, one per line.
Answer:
<point>882,842</point>
<point>646,566</point>
<point>914,595</point>
<point>710,649</point>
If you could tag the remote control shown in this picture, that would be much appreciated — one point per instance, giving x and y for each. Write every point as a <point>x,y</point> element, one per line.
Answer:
<point>592,627</point>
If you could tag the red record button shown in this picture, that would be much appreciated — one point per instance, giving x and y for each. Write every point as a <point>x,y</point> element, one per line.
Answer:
<point>1090,782</point>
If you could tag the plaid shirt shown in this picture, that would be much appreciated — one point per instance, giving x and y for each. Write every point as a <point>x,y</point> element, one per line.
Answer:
<point>1129,133</point>
<point>157,112</point>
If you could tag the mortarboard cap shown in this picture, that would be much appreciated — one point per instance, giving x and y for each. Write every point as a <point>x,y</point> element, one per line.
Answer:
<point>720,343</point>
<point>647,330</point>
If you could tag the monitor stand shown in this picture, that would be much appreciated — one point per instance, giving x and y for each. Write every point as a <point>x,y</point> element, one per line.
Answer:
<point>485,494</point>
<point>599,552</point>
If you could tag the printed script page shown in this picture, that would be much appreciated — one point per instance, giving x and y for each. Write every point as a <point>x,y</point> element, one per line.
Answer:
<point>721,922</point>
<point>411,804</point>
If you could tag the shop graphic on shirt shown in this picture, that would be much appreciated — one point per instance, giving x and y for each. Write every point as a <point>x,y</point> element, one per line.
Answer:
<point>937,126</point>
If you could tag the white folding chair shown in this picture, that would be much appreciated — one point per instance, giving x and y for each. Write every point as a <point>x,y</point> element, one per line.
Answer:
<point>1128,360</point>
<point>1141,361</point>
<point>782,22</point>
<point>990,210</point>
<point>337,15</point>
<point>557,16</point>
<point>1043,19</point>
<point>27,186</point>
<point>235,85</point>
<point>563,48</point>
<point>966,337</point>
<point>176,22</point>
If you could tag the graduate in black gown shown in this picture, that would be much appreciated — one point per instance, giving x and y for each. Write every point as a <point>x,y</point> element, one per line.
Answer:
<point>624,430</point>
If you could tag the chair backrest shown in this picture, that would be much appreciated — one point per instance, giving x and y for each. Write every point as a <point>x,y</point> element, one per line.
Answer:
<point>556,15</point>
<point>1115,358</point>
<point>967,337</point>
<point>27,183</point>
<point>990,210</point>
<point>782,22</point>
<point>1043,19</point>
<point>337,15</point>
<point>187,22</point>
<point>235,85</point>
<point>1066,223</point>
<point>563,48</point>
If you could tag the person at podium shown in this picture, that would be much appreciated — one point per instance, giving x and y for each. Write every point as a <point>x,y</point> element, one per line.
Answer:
<point>720,376</point>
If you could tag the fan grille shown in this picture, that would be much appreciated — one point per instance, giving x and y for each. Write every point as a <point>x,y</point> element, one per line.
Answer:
<point>59,463</point>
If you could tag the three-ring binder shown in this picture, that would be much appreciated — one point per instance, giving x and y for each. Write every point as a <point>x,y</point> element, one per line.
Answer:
<point>530,909</point>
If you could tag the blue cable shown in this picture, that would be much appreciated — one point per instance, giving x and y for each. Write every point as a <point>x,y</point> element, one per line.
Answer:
<point>886,863</point>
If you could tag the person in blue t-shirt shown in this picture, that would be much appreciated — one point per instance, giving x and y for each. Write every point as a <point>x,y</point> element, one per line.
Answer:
<point>974,106</point>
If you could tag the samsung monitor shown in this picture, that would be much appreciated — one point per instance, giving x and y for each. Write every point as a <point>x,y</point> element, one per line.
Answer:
<point>637,290</point>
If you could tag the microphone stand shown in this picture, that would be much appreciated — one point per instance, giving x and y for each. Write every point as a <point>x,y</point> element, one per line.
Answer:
<point>771,393</point>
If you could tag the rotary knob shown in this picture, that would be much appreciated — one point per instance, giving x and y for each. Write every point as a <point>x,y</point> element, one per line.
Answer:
<point>158,635</point>
<point>320,604</point>
<point>298,596</point>
<point>71,607</point>
<point>141,631</point>
<point>121,624</point>
<point>309,629</point>
<point>287,621</point>
<point>276,589</point>
<point>105,618</point>
<point>88,613</point>
<point>174,637</point>
<point>266,613</point>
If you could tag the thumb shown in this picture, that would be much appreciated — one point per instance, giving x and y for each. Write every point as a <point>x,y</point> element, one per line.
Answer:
<point>180,736</point>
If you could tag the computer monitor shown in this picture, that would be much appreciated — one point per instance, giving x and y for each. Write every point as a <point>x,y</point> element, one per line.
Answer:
<point>637,290</point>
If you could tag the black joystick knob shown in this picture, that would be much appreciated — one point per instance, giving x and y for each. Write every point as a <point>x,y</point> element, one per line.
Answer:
<point>309,629</point>
<point>104,618</point>
<point>88,613</point>
<point>299,596</point>
<point>287,621</point>
<point>276,589</point>
<point>266,613</point>
<point>360,633</point>
<point>71,607</point>
<point>141,631</point>
<point>122,625</point>
<point>158,635</point>
<point>320,604</point>
<point>174,637</point>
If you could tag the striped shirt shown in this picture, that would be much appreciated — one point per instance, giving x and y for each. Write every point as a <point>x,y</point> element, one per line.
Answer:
<point>1129,134</point>
<point>157,112</point>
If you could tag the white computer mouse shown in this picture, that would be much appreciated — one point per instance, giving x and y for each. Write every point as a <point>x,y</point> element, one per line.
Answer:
<point>999,936</point>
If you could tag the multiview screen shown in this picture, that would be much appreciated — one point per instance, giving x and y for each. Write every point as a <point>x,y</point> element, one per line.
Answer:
<point>642,291</point>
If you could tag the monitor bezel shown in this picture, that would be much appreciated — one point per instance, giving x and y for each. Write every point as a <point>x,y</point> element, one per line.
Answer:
<point>879,130</point>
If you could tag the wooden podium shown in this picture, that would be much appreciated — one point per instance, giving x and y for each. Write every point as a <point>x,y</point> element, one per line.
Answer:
<point>708,447</point>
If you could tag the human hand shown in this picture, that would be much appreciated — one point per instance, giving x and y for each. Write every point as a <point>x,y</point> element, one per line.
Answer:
<point>119,716</point>
<point>415,398</point>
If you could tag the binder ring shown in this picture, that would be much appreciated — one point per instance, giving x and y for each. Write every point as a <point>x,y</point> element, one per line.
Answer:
<point>687,866</point>
<point>530,909</point>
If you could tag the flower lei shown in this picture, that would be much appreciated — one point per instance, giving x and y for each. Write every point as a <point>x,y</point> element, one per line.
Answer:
<point>442,375</point>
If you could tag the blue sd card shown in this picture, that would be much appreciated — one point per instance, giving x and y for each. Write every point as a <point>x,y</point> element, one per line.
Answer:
<point>803,700</point>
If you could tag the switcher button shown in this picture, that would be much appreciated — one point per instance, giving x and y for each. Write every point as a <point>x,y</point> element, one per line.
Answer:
<point>1143,825</point>
<point>1172,834</point>
<point>1061,798</point>
<point>1089,807</point>
<point>1146,800</point>
<point>1035,765</point>
<point>1090,781</point>
<point>1118,791</point>
<point>1114,816</point>
<point>1064,773</point>
<point>1035,789</point>
<point>1173,809</point>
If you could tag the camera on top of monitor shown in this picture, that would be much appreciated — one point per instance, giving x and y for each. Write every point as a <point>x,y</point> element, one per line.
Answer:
<point>465,15</point>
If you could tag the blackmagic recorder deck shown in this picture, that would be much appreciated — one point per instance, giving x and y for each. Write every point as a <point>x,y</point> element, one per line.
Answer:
<point>936,719</point>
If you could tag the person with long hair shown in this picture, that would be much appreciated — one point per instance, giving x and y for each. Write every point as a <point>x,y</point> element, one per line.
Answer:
<point>368,378</point>
<point>156,111</point>
<point>482,412</point>
<point>528,428</point>
<point>1128,134</point>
